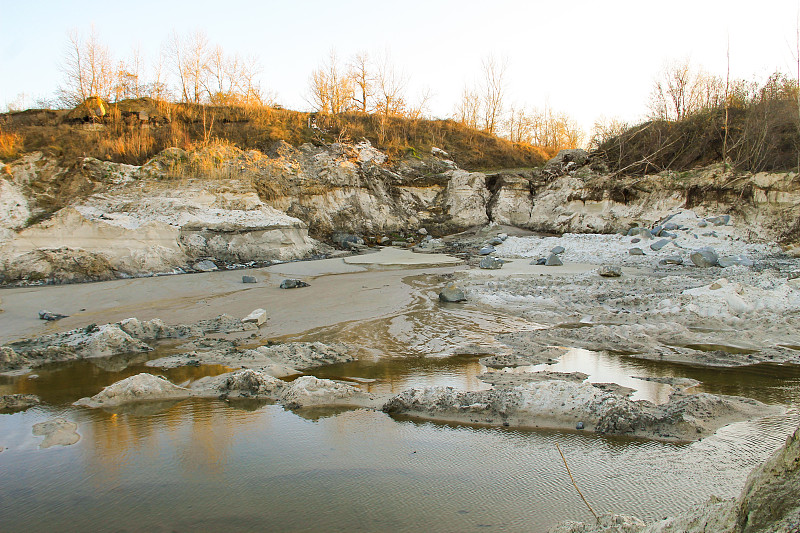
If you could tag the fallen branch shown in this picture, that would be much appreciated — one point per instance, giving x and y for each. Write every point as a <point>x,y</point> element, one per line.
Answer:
<point>575,484</point>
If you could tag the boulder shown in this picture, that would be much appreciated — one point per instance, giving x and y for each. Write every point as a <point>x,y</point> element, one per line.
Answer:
<point>491,263</point>
<point>541,261</point>
<point>636,251</point>
<point>141,387</point>
<point>249,279</point>
<point>486,250</point>
<point>642,233</point>
<point>553,260</point>
<point>345,240</point>
<point>704,258</point>
<point>557,250</point>
<point>205,266</point>
<point>18,402</point>
<point>609,271</point>
<point>452,293</point>
<point>257,317</point>
<point>722,220</point>
<point>49,316</point>
<point>293,284</point>
<point>495,241</point>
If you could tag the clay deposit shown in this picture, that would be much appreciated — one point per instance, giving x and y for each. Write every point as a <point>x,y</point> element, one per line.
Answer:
<point>56,432</point>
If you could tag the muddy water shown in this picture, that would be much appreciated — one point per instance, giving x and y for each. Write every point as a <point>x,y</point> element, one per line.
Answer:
<point>207,465</point>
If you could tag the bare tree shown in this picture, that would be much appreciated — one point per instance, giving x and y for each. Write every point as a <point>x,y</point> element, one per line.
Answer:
<point>493,92</point>
<point>330,88</point>
<point>390,89</point>
<point>363,81</point>
<point>88,69</point>
<point>468,110</point>
<point>189,58</point>
<point>681,89</point>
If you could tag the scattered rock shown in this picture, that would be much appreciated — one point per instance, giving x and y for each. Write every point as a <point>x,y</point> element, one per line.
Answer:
<point>47,315</point>
<point>452,293</point>
<point>731,260</point>
<point>656,246</point>
<point>671,260</point>
<point>635,240</point>
<point>486,250</point>
<point>636,251</point>
<point>642,233</point>
<point>57,432</point>
<point>722,220</point>
<point>491,263</point>
<point>293,284</point>
<point>249,279</point>
<point>704,258</point>
<point>345,240</point>
<point>557,250</point>
<point>553,260</point>
<point>495,241</point>
<point>141,387</point>
<point>422,231</point>
<point>18,402</point>
<point>579,425</point>
<point>541,261</point>
<point>609,271</point>
<point>257,317</point>
<point>205,266</point>
<point>307,391</point>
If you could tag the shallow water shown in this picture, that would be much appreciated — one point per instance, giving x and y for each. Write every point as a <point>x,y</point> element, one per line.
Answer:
<point>207,465</point>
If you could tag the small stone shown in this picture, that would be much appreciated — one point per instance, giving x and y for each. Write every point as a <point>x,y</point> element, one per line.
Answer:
<point>422,231</point>
<point>655,232</point>
<point>293,284</point>
<point>205,266</point>
<point>452,293</point>
<point>732,260</point>
<point>385,241</point>
<point>671,260</point>
<point>656,246</point>
<point>704,258</point>
<point>495,241</point>
<point>540,261</point>
<point>249,279</point>
<point>491,263</point>
<point>486,250</point>
<point>722,220</point>
<point>793,275</point>
<point>635,240</point>
<point>47,315</point>
<point>557,250</point>
<point>643,233</point>
<point>702,224</point>
<point>503,236</point>
<point>636,251</point>
<point>579,425</point>
<point>671,226</point>
<point>608,271</point>
<point>668,235</point>
<point>257,317</point>
<point>553,260</point>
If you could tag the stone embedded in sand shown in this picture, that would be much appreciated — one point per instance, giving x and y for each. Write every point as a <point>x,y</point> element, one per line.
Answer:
<point>257,317</point>
<point>609,271</point>
<point>553,260</point>
<point>49,316</point>
<point>642,233</point>
<point>704,258</point>
<point>205,266</point>
<point>56,432</point>
<point>671,260</point>
<point>452,293</point>
<point>636,251</point>
<point>486,250</point>
<point>249,279</point>
<point>731,260</point>
<point>141,387</point>
<point>293,284</point>
<point>557,250</point>
<point>656,246</point>
<point>490,263</point>
<point>722,220</point>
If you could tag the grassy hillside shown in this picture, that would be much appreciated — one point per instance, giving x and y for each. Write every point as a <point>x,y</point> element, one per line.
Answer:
<point>131,131</point>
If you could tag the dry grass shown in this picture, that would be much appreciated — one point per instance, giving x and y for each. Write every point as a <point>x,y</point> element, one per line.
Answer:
<point>10,145</point>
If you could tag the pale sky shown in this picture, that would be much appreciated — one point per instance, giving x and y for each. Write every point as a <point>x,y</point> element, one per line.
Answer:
<point>587,58</point>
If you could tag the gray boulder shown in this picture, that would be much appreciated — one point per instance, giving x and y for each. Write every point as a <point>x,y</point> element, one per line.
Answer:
<point>491,263</point>
<point>346,240</point>
<point>722,220</point>
<point>486,250</point>
<point>49,316</point>
<point>636,251</point>
<point>731,260</point>
<point>609,271</point>
<point>452,293</point>
<point>558,250</point>
<point>571,158</point>
<point>293,284</point>
<point>656,231</point>
<point>540,261</point>
<point>659,244</point>
<point>704,258</point>
<point>205,266</point>
<point>249,279</point>
<point>635,240</point>
<point>642,233</point>
<point>553,260</point>
<point>495,241</point>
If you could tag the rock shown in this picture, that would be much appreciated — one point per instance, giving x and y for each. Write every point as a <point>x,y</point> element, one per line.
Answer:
<point>704,258</point>
<point>731,260</point>
<point>293,284</point>
<point>47,315</point>
<point>205,266</point>
<point>568,159</point>
<point>486,250</point>
<point>491,263</point>
<point>636,251</point>
<point>642,233</point>
<point>495,241</point>
<point>249,279</point>
<point>541,261</point>
<point>606,523</point>
<point>141,387</point>
<point>702,224</point>
<point>671,260</point>
<point>668,235</point>
<point>722,220</point>
<point>671,226</point>
<point>345,240</point>
<point>18,402</point>
<point>656,231</point>
<point>579,425</point>
<point>656,246</point>
<point>553,260</point>
<point>557,250</point>
<point>247,383</point>
<point>793,275</point>
<point>257,317</point>
<point>608,271</point>
<point>635,240</point>
<point>438,152</point>
<point>385,241</point>
<point>422,231</point>
<point>308,391</point>
<point>452,293</point>
<point>56,432</point>
<point>502,236</point>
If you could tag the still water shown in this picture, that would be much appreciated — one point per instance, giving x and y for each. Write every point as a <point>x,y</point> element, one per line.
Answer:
<point>209,465</point>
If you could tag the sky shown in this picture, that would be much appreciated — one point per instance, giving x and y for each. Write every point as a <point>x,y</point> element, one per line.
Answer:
<point>589,59</point>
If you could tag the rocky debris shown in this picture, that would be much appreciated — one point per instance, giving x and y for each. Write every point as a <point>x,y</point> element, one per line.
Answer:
<point>50,316</point>
<point>57,432</point>
<point>557,250</point>
<point>249,279</point>
<point>722,220</point>
<point>452,293</point>
<point>490,263</point>
<point>566,161</point>
<point>141,387</point>
<point>293,284</point>
<point>659,244</point>
<point>614,388</point>
<point>256,316</point>
<point>495,241</point>
<point>731,260</point>
<point>640,233</point>
<point>244,383</point>
<point>671,260</point>
<point>560,404</point>
<point>768,503</point>
<point>610,271</point>
<point>307,391</point>
<point>553,260</point>
<point>18,402</point>
<point>205,266</point>
<point>486,250</point>
<point>636,251</point>
<point>347,240</point>
<point>704,258</point>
